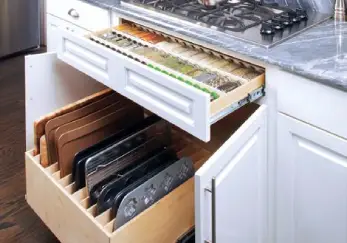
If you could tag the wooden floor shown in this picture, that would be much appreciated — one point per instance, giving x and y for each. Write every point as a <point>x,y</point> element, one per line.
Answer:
<point>18,223</point>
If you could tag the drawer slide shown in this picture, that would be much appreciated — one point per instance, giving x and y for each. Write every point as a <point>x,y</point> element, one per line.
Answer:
<point>251,97</point>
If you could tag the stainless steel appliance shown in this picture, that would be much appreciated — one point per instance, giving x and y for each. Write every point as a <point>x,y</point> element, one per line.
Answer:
<point>258,22</point>
<point>19,25</point>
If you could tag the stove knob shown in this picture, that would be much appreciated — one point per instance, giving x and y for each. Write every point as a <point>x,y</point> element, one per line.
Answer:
<point>267,29</point>
<point>277,25</point>
<point>286,20</point>
<point>294,16</point>
<point>302,13</point>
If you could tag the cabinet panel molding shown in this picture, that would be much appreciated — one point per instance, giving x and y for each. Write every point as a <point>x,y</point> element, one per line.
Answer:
<point>311,184</point>
<point>309,101</point>
<point>231,187</point>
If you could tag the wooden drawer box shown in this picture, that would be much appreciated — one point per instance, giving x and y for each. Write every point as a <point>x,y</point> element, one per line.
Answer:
<point>70,217</point>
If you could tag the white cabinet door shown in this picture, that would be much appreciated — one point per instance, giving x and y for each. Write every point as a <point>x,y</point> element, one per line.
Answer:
<point>311,184</point>
<point>52,24</point>
<point>231,187</point>
<point>49,85</point>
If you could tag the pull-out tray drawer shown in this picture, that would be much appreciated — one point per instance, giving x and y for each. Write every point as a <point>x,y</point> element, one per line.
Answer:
<point>69,216</point>
<point>184,106</point>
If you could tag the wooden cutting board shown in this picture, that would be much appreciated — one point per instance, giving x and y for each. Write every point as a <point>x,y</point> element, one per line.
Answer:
<point>39,125</point>
<point>53,124</point>
<point>43,152</point>
<point>81,138</point>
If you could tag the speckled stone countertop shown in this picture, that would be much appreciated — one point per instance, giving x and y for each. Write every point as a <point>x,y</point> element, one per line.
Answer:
<point>319,53</point>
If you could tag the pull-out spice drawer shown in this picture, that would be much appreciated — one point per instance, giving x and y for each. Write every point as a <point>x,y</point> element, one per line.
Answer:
<point>192,106</point>
<point>72,220</point>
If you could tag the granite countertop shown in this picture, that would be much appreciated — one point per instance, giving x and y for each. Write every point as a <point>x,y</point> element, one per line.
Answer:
<point>319,53</point>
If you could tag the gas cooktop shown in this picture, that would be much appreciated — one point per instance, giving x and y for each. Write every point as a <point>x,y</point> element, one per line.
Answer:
<point>249,20</point>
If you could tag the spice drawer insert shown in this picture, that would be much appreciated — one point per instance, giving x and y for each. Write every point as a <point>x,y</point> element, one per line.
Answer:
<point>183,105</point>
<point>70,217</point>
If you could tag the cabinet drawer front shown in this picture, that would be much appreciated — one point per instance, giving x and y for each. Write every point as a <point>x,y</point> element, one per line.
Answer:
<point>52,24</point>
<point>180,104</point>
<point>79,13</point>
<point>84,56</point>
<point>311,102</point>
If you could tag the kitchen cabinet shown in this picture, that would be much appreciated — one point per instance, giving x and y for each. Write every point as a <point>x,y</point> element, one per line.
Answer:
<point>269,179</point>
<point>311,184</point>
<point>232,208</point>
<point>238,167</point>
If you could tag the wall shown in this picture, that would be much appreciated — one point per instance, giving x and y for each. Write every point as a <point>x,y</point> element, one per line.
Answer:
<point>324,6</point>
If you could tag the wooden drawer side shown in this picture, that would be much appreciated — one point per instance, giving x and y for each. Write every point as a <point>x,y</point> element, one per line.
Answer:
<point>52,203</point>
<point>164,222</point>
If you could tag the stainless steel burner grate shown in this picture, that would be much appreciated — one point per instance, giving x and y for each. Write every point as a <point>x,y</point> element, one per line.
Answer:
<point>250,20</point>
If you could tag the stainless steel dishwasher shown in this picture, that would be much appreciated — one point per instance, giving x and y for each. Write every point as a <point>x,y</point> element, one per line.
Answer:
<point>19,25</point>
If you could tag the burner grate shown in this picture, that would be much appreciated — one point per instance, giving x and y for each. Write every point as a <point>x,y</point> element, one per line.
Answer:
<point>233,15</point>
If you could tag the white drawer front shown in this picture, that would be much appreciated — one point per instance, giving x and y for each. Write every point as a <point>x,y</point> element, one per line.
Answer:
<point>86,56</point>
<point>184,106</point>
<point>311,102</point>
<point>178,103</point>
<point>79,13</point>
<point>52,24</point>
